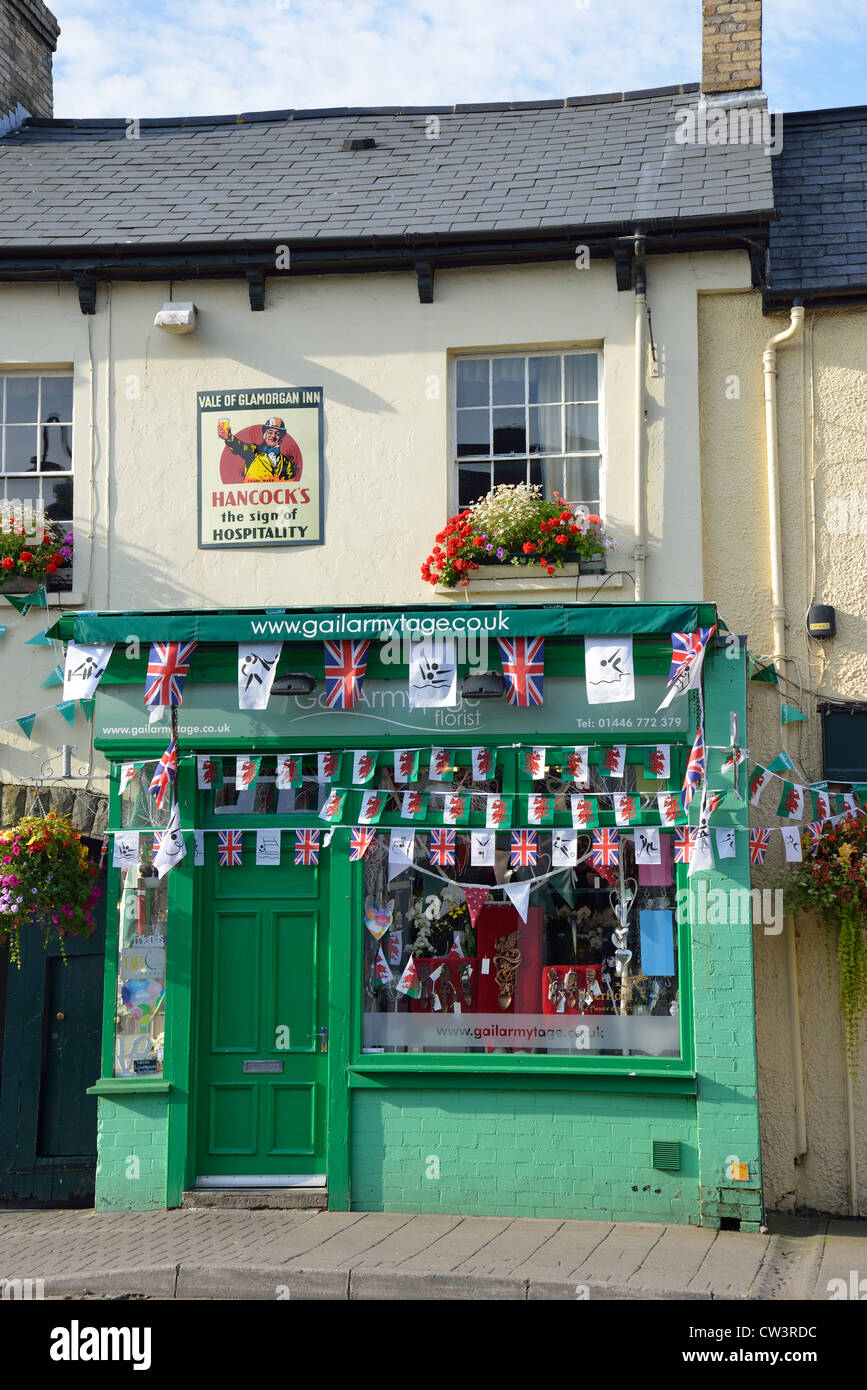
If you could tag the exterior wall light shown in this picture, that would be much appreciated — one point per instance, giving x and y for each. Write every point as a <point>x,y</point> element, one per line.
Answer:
<point>483,685</point>
<point>296,683</point>
<point>177,317</point>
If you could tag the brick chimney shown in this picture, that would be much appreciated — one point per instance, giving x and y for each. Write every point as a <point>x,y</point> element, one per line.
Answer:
<point>731,45</point>
<point>28,38</point>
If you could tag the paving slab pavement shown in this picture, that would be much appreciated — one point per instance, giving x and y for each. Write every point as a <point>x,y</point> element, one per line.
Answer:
<point>237,1254</point>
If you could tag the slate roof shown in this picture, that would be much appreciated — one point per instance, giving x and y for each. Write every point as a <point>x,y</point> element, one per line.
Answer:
<point>819,244</point>
<point>576,162</point>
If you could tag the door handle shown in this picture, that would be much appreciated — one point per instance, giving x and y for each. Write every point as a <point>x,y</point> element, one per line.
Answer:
<point>61,1017</point>
<point>322,1035</point>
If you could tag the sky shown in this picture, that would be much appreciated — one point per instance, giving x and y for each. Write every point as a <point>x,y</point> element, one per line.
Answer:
<point>125,58</point>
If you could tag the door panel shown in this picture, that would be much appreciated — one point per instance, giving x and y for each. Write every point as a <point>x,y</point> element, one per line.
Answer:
<point>262,999</point>
<point>72,1025</point>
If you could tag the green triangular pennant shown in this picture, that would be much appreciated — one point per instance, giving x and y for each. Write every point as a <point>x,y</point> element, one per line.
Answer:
<point>562,884</point>
<point>40,640</point>
<point>87,709</point>
<point>26,722</point>
<point>2,630</point>
<point>782,763</point>
<point>56,678</point>
<point>23,602</point>
<point>38,599</point>
<point>67,709</point>
<point>790,715</point>
<point>763,671</point>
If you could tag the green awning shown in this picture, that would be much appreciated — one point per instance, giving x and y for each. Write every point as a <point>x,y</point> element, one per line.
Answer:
<point>316,624</point>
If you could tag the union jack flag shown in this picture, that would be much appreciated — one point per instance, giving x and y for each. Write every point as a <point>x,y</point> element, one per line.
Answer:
<point>814,830</point>
<point>229,848</point>
<point>168,668</point>
<point>605,850</point>
<point>759,842</point>
<point>360,841</point>
<point>442,848</point>
<point>345,669</point>
<point>523,661</point>
<point>524,845</point>
<point>307,847</point>
<point>684,844</point>
<point>695,767</point>
<point>167,771</point>
<point>686,647</point>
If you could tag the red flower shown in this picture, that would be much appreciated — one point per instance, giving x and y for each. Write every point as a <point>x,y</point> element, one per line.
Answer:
<point>562,540</point>
<point>50,569</point>
<point>550,570</point>
<point>528,547</point>
<point>8,564</point>
<point>25,556</point>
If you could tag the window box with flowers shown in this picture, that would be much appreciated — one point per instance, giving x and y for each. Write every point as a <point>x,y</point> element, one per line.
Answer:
<point>32,552</point>
<point>514,534</point>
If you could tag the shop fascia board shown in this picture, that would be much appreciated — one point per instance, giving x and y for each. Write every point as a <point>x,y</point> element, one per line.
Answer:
<point>226,626</point>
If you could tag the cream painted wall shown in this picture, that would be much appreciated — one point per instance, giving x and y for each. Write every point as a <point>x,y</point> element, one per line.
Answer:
<point>833,439</point>
<point>380,357</point>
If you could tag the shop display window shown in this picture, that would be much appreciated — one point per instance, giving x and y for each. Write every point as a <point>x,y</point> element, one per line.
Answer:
<point>142,930</point>
<point>568,981</point>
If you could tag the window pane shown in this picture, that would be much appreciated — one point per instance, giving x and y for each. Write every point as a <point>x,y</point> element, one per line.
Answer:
<point>536,473</point>
<point>510,435</point>
<point>56,448</point>
<point>21,399</point>
<point>21,493</point>
<point>19,454</point>
<point>508,380</point>
<point>582,481</point>
<point>474,433</point>
<point>511,472</point>
<point>57,398</point>
<point>473,482</point>
<point>57,496</point>
<point>552,477</point>
<point>582,377</point>
<point>472,382</point>
<point>545,380</point>
<point>546,429</point>
<point>582,427</point>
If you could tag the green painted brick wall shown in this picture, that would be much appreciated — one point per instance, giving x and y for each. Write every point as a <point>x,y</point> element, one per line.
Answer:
<point>127,1130</point>
<point>554,1154</point>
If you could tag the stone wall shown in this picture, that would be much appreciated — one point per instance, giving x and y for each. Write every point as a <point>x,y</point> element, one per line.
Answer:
<point>731,45</point>
<point>87,810</point>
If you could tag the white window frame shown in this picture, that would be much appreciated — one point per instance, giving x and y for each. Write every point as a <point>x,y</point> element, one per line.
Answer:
<point>525,353</point>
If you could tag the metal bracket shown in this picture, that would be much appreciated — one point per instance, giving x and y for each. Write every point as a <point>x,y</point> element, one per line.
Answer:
<point>425,274</point>
<point>86,293</point>
<point>623,267</point>
<point>256,286</point>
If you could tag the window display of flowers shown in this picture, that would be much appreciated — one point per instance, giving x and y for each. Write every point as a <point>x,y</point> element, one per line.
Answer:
<point>46,879</point>
<point>833,880</point>
<point>513,524</point>
<point>31,546</point>
<point>436,917</point>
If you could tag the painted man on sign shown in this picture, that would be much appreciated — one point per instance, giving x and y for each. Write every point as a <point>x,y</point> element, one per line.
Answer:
<point>266,461</point>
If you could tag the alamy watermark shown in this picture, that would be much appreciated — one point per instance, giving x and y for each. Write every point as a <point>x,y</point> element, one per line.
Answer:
<point>709,123</point>
<point>716,907</point>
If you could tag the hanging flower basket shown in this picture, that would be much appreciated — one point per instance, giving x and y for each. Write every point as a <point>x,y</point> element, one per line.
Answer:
<point>833,880</point>
<point>46,881</point>
<point>515,525</point>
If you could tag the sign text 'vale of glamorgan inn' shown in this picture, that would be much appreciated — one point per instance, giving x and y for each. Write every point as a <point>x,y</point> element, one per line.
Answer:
<point>260,467</point>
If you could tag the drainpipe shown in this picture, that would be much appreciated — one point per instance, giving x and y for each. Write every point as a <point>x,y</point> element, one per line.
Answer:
<point>769,367</point>
<point>778,619</point>
<point>639,551</point>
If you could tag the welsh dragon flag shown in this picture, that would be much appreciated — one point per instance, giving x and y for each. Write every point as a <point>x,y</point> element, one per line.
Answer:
<point>409,982</point>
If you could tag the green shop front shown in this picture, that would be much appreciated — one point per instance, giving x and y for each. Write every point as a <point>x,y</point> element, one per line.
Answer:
<point>428,957</point>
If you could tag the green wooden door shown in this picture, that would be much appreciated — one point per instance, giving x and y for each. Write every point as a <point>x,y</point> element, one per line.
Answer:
<point>262,1003</point>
